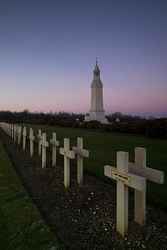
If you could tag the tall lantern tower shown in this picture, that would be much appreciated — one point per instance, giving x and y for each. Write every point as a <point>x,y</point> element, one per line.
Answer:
<point>97,110</point>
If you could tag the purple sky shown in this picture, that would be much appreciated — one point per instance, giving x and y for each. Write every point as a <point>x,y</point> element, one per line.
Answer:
<point>48,51</point>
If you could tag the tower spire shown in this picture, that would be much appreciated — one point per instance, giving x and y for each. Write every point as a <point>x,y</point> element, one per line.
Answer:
<point>96,61</point>
<point>96,69</point>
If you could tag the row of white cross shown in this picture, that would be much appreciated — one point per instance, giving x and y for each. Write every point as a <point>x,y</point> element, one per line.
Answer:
<point>18,134</point>
<point>126,174</point>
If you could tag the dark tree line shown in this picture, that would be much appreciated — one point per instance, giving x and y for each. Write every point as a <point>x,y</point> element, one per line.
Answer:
<point>118,122</point>
<point>60,118</point>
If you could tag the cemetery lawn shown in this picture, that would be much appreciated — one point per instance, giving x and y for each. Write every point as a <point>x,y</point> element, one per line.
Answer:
<point>103,147</point>
<point>21,226</point>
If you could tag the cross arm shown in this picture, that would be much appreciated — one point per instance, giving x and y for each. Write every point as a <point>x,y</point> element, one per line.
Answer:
<point>39,137</point>
<point>128,179</point>
<point>151,174</point>
<point>45,144</point>
<point>81,152</point>
<point>55,143</point>
<point>69,154</point>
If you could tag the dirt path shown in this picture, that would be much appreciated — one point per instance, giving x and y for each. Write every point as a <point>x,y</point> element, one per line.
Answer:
<point>84,218</point>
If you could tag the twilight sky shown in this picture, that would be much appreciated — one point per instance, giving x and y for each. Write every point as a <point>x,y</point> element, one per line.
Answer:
<point>48,51</point>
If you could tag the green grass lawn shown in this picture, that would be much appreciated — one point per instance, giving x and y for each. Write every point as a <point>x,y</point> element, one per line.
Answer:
<point>103,147</point>
<point>21,226</point>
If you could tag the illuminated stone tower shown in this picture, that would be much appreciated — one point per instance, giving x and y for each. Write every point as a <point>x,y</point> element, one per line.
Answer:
<point>96,111</point>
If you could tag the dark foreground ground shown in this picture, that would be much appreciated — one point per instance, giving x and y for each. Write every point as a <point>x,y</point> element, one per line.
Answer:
<point>84,218</point>
<point>21,225</point>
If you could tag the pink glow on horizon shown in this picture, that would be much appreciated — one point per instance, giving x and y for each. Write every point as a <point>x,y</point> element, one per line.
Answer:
<point>58,93</point>
<point>79,101</point>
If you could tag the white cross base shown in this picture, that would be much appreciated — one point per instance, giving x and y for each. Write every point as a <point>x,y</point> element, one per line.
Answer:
<point>44,144</point>
<point>68,154</point>
<point>12,131</point>
<point>55,144</point>
<point>81,153</point>
<point>39,137</point>
<point>31,138</point>
<point>15,133</point>
<point>19,128</point>
<point>24,138</point>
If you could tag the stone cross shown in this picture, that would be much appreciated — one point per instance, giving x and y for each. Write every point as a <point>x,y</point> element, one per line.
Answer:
<point>44,144</point>
<point>39,136</point>
<point>19,130</point>
<point>10,127</point>
<point>24,138</point>
<point>81,153</point>
<point>15,133</point>
<point>124,180</point>
<point>12,131</point>
<point>68,154</point>
<point>139,168</point>
<point>32,138</point>
<point>55,144</point>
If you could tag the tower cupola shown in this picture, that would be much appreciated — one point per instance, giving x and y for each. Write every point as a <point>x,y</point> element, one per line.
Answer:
<point>96,77</point>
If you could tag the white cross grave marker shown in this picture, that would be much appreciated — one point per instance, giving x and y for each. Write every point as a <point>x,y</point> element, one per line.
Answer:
<point>12,131</point>
<point>139,168</point>
<point>31,137</point>
<point>55,144</point>
<point>81,153</point>
<point>9,129</point>
<point>124,180</point>
<point>15,133</point>
<point>24,137</point>
<point>68,154</point>
<point>19,130</point>
<point>11,126</point>
<point>45,144</point>
<point>39,136</point>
